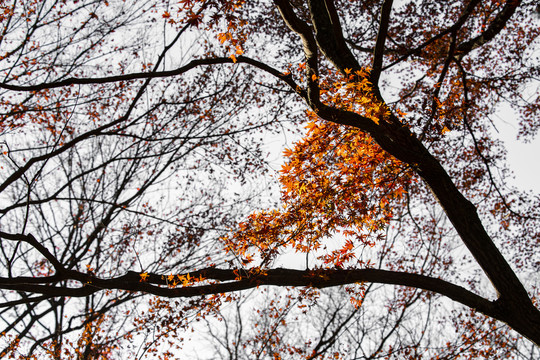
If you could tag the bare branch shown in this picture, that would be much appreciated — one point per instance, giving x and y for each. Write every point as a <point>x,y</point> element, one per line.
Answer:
<point>30,239</point>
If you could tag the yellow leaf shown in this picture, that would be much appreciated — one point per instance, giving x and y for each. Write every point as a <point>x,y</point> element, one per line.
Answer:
<point>144,276</point>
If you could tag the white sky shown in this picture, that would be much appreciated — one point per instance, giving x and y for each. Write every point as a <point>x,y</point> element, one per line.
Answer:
<point>523,158</point>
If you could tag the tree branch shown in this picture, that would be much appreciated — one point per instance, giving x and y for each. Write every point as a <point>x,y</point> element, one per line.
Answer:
<point>329,35</point>
<point>239,279</point>
<point>452,29</point>
<point>379,45</point>
<point>128,77</point>
<point>494,28</point>
<point>30,239</point>
<point>309,44</point>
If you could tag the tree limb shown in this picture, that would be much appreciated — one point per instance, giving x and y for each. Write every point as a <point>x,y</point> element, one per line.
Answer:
<point>309,44</point>
<point>494,28</point>
<point>239,279</point>
<point>379,45</point>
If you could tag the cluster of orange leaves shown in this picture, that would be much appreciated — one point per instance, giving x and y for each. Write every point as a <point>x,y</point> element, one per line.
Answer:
<point>354,92</point>
<point>335,180</point>
<point>175,280</point>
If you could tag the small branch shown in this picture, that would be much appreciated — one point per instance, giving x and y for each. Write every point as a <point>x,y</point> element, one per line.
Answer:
<point>477,145</point>
<point>9,304</point>
<point>30,239</point>
<point>438,86</point>
<point>22,170</point>
<point>454,28</point>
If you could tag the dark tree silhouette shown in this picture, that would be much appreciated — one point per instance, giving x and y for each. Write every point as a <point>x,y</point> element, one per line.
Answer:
<point>134,163</point>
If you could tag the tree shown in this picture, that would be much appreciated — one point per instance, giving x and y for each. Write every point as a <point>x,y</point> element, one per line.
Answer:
<point>132,138</point>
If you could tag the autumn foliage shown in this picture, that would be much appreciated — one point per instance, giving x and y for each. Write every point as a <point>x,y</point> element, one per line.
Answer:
<point>142,210</point>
